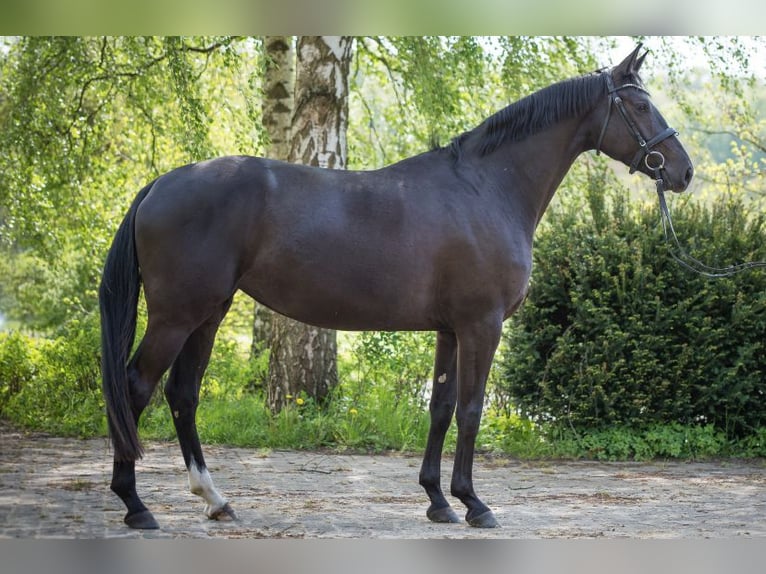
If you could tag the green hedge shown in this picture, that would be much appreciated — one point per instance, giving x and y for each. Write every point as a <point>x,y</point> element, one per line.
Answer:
<point>616,333</point>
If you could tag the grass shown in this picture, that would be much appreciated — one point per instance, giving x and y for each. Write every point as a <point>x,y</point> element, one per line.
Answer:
<point>247,422</point>
<point>389,425</point>
<point>366,418</point>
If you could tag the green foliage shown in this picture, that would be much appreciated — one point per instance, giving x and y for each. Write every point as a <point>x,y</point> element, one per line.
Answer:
<point>415,92</point>
<point>17,365</point>
<point>509,433</point>
<point>439,75</point>
<point>84,123</point>
<point>362,414</point>
<point>54,385</point>
<point>381,402</point>
<point>400,360</point>
<point>615,333</point>
<point>753,445</point>
<point>532,62</point>
<point>674,440</point>
<point>230,373</point>
<point>723,104</point>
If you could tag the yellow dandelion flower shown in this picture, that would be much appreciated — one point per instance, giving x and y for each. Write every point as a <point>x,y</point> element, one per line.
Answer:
<point>353,411</point>
<point>288,396</point>
<point>299,401</point>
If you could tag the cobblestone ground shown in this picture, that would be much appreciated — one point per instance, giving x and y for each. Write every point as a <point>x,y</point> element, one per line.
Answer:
<point>59,488</point>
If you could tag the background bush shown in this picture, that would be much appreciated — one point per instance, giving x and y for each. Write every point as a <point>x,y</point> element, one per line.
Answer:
<point>54,384</point>
<point>615,333</point>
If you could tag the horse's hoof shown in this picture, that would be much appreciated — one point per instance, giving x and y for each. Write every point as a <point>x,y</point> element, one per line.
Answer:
<point>143,520</point>
<point>484,520</point>
<point>442,514</point>
<point>225,513</point>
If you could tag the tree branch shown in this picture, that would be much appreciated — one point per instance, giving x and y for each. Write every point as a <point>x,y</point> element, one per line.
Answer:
<point>757,144</point>
<point>378,57</point>
<point>212,47</point>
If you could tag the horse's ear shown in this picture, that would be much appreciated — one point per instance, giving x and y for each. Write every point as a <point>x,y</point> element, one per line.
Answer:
<point>639,61</point>
<point>632,63</point>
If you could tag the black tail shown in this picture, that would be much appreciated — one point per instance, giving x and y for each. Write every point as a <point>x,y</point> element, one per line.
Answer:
<point>118,301</point>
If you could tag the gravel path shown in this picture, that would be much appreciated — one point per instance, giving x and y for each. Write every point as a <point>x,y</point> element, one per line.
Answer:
<point>59,488</point>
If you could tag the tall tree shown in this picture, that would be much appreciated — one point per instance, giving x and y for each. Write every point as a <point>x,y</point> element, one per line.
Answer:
<point>303,358</point>
<point>277,109</point>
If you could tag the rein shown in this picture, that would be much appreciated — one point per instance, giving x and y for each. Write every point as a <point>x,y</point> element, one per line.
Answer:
<point>681,256</point>
<point>645,153</point>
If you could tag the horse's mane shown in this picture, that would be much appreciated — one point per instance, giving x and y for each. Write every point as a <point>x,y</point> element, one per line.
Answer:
<point>533,113</point>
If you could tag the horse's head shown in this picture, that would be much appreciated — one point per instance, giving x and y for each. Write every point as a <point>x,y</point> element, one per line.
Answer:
<point>634,132</point>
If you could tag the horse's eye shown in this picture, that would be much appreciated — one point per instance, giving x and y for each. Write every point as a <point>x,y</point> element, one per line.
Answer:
<point>642,107</point>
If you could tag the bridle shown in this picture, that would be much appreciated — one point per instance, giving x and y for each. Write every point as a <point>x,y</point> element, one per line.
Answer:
<point>645,151</point>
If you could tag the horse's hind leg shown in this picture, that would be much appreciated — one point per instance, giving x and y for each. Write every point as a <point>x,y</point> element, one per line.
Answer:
<point>442,408</point>
<point>154,355</point>
<point>182,393</point>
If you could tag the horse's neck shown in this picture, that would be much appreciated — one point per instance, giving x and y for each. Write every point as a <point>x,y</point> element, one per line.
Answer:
<point>539,163</point>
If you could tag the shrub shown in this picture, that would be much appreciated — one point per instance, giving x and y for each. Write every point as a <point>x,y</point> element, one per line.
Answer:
<point>55,383</point>
<point>17,366</point>
<point>616,333</point>
<point>382,400</point>
<point>654,441</point>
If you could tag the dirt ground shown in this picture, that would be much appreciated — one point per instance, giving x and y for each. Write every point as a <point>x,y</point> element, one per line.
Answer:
<point>59,488</point>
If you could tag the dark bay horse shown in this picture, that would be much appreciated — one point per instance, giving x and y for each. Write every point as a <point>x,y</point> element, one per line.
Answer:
<point>441,241</point>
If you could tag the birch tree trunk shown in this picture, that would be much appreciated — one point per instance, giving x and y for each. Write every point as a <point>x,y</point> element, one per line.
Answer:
<point>277,109</point>
<point>304,358</point>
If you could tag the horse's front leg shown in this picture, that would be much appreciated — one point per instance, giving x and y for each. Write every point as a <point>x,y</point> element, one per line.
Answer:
<point>443,397</point>
<point>476,348</point>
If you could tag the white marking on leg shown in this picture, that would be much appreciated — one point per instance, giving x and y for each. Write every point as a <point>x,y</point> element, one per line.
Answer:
<point>201,484</point>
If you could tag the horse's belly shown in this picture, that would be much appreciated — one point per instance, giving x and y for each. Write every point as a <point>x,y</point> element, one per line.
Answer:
<point>349,302</point>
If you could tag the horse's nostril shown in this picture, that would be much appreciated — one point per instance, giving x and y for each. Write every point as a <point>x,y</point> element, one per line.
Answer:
<point>689,175</point>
